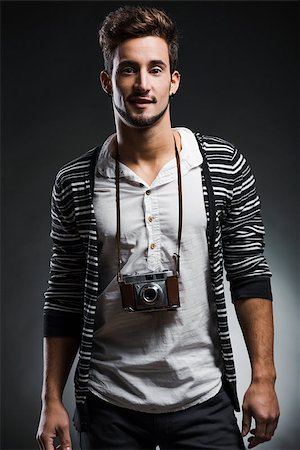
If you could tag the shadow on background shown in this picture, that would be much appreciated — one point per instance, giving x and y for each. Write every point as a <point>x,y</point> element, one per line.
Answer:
<point>238,65</point>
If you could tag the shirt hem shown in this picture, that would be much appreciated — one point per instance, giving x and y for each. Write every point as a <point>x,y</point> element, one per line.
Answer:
<point>158,409</point>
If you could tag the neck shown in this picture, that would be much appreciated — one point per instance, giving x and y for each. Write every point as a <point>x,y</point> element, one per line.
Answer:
<point>146,145</point>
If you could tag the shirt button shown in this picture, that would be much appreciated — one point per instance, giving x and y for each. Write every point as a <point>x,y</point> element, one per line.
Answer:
<point>141,184</point>
<point>148,192</point>
<point>152,246</point>
<point>150,219</point>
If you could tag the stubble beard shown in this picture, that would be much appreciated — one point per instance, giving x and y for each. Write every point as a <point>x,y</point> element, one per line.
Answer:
<point>140,121</point>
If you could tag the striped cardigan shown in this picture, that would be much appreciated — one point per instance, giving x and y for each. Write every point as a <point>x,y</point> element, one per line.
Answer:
<point>235,235</point>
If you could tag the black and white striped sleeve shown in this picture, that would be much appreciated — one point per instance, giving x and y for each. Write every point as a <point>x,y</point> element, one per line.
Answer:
<point>63,307</point>
<point>243,236</point>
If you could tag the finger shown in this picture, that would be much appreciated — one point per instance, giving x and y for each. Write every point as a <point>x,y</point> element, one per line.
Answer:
<point>260,429</point>
<point>65,438</point>
<point>251,439</point>
<point>254,442</point>
<point>251,444</point>
<point>260,434</point>
<point>271,427</point>
<point>246,422</point>
<point>46,442</point>
<point>40,443</point>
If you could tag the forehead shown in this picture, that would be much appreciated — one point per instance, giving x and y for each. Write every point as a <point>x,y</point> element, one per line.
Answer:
<point>142,49</point>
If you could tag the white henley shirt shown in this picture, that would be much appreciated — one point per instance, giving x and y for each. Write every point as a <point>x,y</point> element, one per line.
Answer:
<point>158,361</point>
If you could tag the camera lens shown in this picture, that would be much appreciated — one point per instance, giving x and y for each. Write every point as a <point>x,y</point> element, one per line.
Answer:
<point>149,293</point>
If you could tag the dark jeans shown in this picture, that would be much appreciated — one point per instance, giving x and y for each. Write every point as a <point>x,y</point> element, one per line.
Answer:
<point>208,426</point>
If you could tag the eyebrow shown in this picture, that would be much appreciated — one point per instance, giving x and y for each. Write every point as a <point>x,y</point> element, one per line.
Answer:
<point>134,63</point>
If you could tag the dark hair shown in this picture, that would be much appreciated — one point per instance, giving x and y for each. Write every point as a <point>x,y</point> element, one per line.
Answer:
<point>129,22</point>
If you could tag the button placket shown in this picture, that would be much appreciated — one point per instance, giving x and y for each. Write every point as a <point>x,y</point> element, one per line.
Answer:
<point>148,213</point>
<point>152,225</point>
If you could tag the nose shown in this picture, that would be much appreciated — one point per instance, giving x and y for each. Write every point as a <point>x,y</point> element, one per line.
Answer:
<point>142,81</point>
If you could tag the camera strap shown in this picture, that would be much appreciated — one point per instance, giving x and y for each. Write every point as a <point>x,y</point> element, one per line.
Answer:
<point>176,256</point>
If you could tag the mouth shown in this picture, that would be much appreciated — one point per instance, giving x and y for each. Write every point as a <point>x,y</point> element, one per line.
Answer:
<point>140,102</point>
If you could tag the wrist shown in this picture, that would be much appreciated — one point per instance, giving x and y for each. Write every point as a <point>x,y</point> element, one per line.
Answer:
<point>51,399</point>
<point>264,376</point>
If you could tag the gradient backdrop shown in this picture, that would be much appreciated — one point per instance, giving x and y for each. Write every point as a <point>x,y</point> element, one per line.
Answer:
<point>238,65</point>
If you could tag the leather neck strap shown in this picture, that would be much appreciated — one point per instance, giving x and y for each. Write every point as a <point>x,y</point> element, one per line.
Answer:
<point>176,256</point>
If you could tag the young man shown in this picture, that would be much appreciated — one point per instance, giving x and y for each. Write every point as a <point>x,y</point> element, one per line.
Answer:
<point>155,360</point>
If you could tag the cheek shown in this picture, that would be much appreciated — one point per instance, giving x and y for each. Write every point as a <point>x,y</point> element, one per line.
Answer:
<point>121,92</point>
<point>163,91</point>
<point>121,87</point>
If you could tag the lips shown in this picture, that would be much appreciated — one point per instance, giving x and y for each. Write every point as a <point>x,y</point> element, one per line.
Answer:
<point>140,103</point>
<point>140,100</point>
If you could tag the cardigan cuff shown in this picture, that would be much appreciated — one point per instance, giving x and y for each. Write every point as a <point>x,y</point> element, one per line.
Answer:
<point>62,325</point>
<point>256,287</point>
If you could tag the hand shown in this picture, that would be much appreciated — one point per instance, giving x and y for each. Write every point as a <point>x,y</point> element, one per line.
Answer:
<point>54,422</point>
<point>260,402</point>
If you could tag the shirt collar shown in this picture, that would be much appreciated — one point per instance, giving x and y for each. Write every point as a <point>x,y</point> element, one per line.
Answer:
<point>190,156</point>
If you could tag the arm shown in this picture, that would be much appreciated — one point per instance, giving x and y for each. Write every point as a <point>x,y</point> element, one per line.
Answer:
<point>260,401</point>
<point>249,277</point>
<point>59,354</point>
<point>63,313</point>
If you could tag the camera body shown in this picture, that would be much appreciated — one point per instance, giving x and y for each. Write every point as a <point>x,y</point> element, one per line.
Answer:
<point>153,291</point>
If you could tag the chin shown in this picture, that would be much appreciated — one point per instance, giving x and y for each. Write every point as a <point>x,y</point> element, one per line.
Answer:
<point>140,120</point>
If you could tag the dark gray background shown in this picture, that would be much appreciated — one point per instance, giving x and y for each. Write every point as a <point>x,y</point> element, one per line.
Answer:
<point>238,66</point>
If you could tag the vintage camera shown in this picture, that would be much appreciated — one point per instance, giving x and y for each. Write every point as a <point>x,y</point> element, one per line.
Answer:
<point>154,291</point>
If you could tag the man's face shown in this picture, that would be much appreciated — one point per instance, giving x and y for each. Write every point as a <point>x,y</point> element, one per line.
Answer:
<point>141,81</point>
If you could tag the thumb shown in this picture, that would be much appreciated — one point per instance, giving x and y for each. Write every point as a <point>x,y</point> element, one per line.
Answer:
<point>246,422</point>
<point>65,439</point>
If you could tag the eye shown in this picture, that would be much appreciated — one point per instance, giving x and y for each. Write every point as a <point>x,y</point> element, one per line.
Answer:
<point>127,70</point>
<point>156,70</point>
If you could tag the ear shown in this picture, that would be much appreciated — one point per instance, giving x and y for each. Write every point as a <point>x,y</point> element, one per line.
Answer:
<point>105,81</point>
<point>175,81</point>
